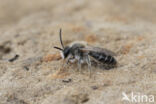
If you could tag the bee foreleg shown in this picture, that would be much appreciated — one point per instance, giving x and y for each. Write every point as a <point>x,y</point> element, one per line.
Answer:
<point>70,59</point>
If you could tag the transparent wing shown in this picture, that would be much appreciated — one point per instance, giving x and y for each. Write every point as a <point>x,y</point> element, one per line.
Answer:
<point>98,49</point>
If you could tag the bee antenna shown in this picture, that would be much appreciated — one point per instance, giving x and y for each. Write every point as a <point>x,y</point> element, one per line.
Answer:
<point>58,48</point>
<point>61,38</point>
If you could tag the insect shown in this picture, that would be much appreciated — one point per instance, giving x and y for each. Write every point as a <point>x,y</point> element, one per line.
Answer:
<point>81,52</point>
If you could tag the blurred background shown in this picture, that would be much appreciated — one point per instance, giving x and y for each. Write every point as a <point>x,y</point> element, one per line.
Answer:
<point>12,11</point>
<point>30,28</point>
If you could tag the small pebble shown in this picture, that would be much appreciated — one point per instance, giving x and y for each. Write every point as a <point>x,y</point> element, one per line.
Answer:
<point>67,80</point>
<point>94,87</point>
<point>14,58</point>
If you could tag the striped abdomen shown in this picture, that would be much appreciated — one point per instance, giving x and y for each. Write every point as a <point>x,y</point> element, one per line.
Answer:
<point>103,58</point>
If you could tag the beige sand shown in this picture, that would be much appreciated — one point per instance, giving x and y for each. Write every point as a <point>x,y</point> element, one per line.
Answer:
<point>30,29</point>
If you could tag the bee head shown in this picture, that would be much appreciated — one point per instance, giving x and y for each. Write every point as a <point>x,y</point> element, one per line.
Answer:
<point>64,50</point>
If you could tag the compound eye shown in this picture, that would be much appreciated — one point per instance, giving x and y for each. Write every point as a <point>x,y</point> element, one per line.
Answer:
<point>66,51</point>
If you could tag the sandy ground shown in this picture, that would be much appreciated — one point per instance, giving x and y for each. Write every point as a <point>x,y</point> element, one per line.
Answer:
<point>30,29</point>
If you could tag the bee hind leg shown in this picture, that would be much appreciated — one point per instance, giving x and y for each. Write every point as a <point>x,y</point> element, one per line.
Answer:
<point>89,66</point>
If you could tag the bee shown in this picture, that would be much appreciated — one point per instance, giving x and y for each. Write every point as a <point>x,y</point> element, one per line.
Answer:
<point>81,52</point>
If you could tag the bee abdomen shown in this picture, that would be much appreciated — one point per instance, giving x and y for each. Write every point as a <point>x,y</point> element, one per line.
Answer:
<point>103,58</point>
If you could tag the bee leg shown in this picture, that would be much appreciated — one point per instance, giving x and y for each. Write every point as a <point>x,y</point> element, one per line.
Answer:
<point>67,63</point>
<point>89,66</point>
<point>79,65</point>
<point>70,59</point>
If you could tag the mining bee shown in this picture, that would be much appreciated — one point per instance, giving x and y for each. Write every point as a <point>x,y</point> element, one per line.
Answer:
<point>81,52</point>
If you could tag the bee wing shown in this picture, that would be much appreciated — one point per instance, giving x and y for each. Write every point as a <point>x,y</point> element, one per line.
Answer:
<point>98,49</point>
